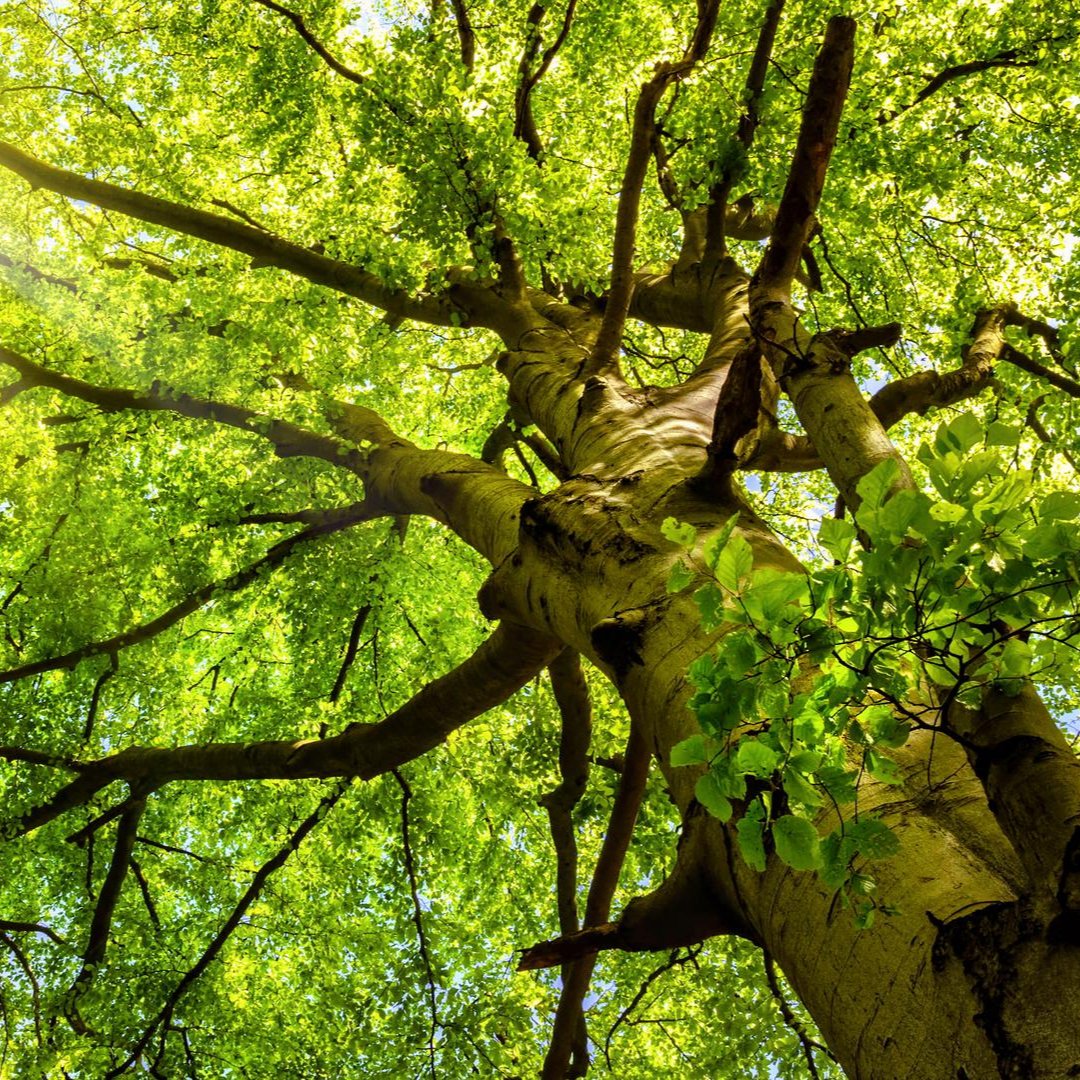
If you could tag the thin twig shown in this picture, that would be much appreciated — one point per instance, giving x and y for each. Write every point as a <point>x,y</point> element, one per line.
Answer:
<point>418,916</point>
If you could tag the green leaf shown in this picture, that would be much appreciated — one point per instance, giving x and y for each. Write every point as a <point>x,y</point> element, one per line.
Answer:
<point>797,842</point>
<point>681,575</point>
<point>799,791</point>
<point>875,486</point>
<point>734,563</point>
<point>882,769</point>
<point>710,602</point>
<point>1060,506</point>
<point>948,512</point>
<point>960,434</point>
<point>1015,659</point>
<point>836,536</point>
<point>751,837</point>
<point>999,434</point>
<point>708,792</point>
<point>717,542</point>
<point>754,757</point>
<point>692,751</point>
<point>885,728</point>
<point>872,838</point>
<point>679,532</point>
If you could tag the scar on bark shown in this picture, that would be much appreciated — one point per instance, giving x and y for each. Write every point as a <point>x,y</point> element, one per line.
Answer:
<point>618,639</point>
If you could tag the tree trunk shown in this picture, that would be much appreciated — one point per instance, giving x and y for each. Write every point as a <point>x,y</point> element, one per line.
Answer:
<point>966,980</point>
<point>971,977</point>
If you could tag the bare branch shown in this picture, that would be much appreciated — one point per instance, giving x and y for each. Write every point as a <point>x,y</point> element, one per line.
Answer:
<point>808,1045</point>
<point>524,121</point>
<point>676,959</point>
<point>824,104</point>
<point>606,351</point>
<point>1019,359</point>
<point>110,890</point>
<point>575,711</point>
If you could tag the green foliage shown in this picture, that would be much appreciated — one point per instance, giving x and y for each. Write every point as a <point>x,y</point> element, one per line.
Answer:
<point>819,674</point>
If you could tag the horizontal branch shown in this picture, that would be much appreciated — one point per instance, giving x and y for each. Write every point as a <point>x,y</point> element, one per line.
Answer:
<point>507,660</point>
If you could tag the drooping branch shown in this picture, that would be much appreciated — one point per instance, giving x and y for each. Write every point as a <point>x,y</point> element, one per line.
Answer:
<point>824,104</point>
<point>605,352</point>
<point>628,798</point>
<point>265,248</point>
<point>676,959</point>
<point>136,635</point>
<point>507,660</point>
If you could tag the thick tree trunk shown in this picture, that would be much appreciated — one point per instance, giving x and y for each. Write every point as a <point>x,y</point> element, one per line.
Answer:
<point>971,978</point>
<point>967,980</point>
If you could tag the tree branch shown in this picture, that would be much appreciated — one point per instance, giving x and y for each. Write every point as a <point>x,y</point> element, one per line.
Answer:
<point>507,660</point>
<point>524,121</point>
<point>466,34</point>
<point>575,712</point>
<point>251,894</point>
<point>418,916</point>
<point>824,104</point>
<point>624,813</point>
<point>605,352</point>
<point>717,211</point>
<point>263,247</point>
<point>136,635</point>
<point>1005,58</point>
<point>289,440</point>
<point>314,43</point>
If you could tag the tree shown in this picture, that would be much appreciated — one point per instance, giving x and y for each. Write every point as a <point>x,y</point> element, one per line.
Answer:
<point>420,412</point>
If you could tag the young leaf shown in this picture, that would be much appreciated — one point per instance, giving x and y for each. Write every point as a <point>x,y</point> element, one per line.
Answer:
<point>679,532</point>
<point>707,792</point>
<point>836,536</point>
<point>797,842</point>
<point>751,833</point>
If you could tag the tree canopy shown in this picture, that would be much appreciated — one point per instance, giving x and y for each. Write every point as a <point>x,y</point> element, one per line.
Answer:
<point>305,312</point>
